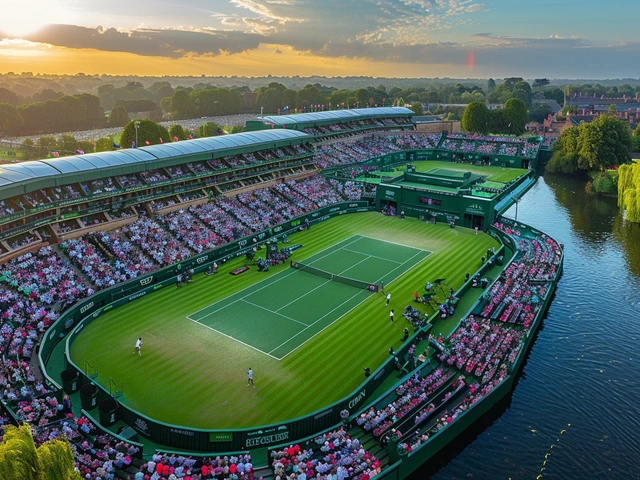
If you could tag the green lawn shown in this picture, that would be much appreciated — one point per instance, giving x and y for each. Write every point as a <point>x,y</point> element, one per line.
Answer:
<point>191,375</point>
<point>288,309</point>
<point>495,174</point>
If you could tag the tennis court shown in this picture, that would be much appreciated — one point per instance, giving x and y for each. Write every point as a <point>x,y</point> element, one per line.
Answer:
<point>279,314</point>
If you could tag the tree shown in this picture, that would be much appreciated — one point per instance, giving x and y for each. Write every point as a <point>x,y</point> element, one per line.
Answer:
<point>475,118</point>
<point>104,144</point>
<point>612,109</point>
<point>604,143</point>
<point>270,100</point>
<point>181,105</point>
<point>510,82</point>
<point>27,149</point>
<point>177,131</point>
<point>565,152</point>
<point>629,191</point>
<point>119,117</point>
<point>540,82</point>
<point>289,98</point>
<point>491,85</point>
<point>95,112</point>
<point>208,129</point>
<point>596,146</point>
<point>362,97</point>
<point>539,113</point>
<point>10,119</point>
<point>148,131</point>
<point>7,96</point>
<point>308,96</point>
<point>515,114</point>
<point>416,107</point>
<point>20,460</point>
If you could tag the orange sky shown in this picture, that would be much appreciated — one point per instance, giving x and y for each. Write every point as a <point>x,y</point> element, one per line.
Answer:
<point>39,58</point>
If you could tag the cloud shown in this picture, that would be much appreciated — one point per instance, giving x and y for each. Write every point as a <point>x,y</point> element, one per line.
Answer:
<point>171,43</point>
<point>476,7</point>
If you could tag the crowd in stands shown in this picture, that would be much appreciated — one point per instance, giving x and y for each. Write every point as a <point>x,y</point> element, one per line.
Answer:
<point>172,467</point>
<point>336,456</point>
<point>411,395</point>
<point>490,145</point>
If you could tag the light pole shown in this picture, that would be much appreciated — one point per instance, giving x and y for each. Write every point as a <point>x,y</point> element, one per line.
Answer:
<point>137,125</point>
<point>261,112</point>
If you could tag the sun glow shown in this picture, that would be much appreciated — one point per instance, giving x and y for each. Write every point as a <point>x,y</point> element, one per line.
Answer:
<point>19,17</point>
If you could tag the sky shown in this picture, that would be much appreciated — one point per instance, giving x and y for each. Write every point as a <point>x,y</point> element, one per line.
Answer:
<point>380,38</point>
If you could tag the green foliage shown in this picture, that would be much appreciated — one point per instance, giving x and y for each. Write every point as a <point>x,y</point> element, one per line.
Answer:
<point>491,85</point>
<point>629,191</point>
<point>599,145</point>
<point>20,460</point>
<point>416,107</point>
<point>27,149</point>
<point>182,105</point>
<point>208,129</point>
<point>10,120</point>
<point>56,460</point>
<point>177,131</point>
<point>539,113</point>
<point>148,131</point>
<point>104,144</point>
<point>7,96</point>
<point>515,115</point>
<point>540,82</point>
<point>603,143</point>
<point>612,109</point>
<point>237,129</point>
<point>475,118</point>
<point>569,109</point>
<point>362,97</point>
<point>270,100</point>
<point>210,102</point>
<point>18,456</point>
<point>119,117</point>
<point>604,183</point>
<point>138,105</point>
<point>308,96</point>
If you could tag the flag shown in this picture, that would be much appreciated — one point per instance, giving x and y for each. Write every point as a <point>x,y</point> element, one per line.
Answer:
<point>147,142</point>
<point>56,154</point>
<point>93,143</point>
<point>116,146</point>
<point>175,139</point>
<point>161,141</point>
<point>190,137</point>
<point>80,152</point>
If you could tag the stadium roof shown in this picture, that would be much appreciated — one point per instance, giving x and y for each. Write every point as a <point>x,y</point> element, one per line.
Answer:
<point>336,115</point>
<point>49,172</point>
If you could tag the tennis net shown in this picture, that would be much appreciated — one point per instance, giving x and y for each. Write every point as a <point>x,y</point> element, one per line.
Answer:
<point>336,278</point>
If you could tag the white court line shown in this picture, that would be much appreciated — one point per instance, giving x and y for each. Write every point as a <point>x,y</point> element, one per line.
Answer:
<point>325,315</point>
<point>396,243</point>
<point>373,256</point>
<point>302,296</point>
<point>271,311</point>
<point>351,309</point>
<point>230,337</point>
<point>268,285</point>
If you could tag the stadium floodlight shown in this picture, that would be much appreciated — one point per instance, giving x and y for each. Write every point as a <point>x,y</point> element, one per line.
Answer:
<point>137,125</point>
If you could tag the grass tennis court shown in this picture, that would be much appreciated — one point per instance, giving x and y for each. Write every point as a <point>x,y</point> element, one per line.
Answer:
<point>278,315</point>
<point>494,174</point>
<point>195,376</point>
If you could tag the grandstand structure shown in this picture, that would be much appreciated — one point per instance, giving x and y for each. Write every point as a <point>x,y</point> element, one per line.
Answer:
<point>104,229</point>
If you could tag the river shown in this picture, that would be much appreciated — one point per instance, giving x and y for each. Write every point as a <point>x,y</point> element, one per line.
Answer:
<point>581,377</point>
